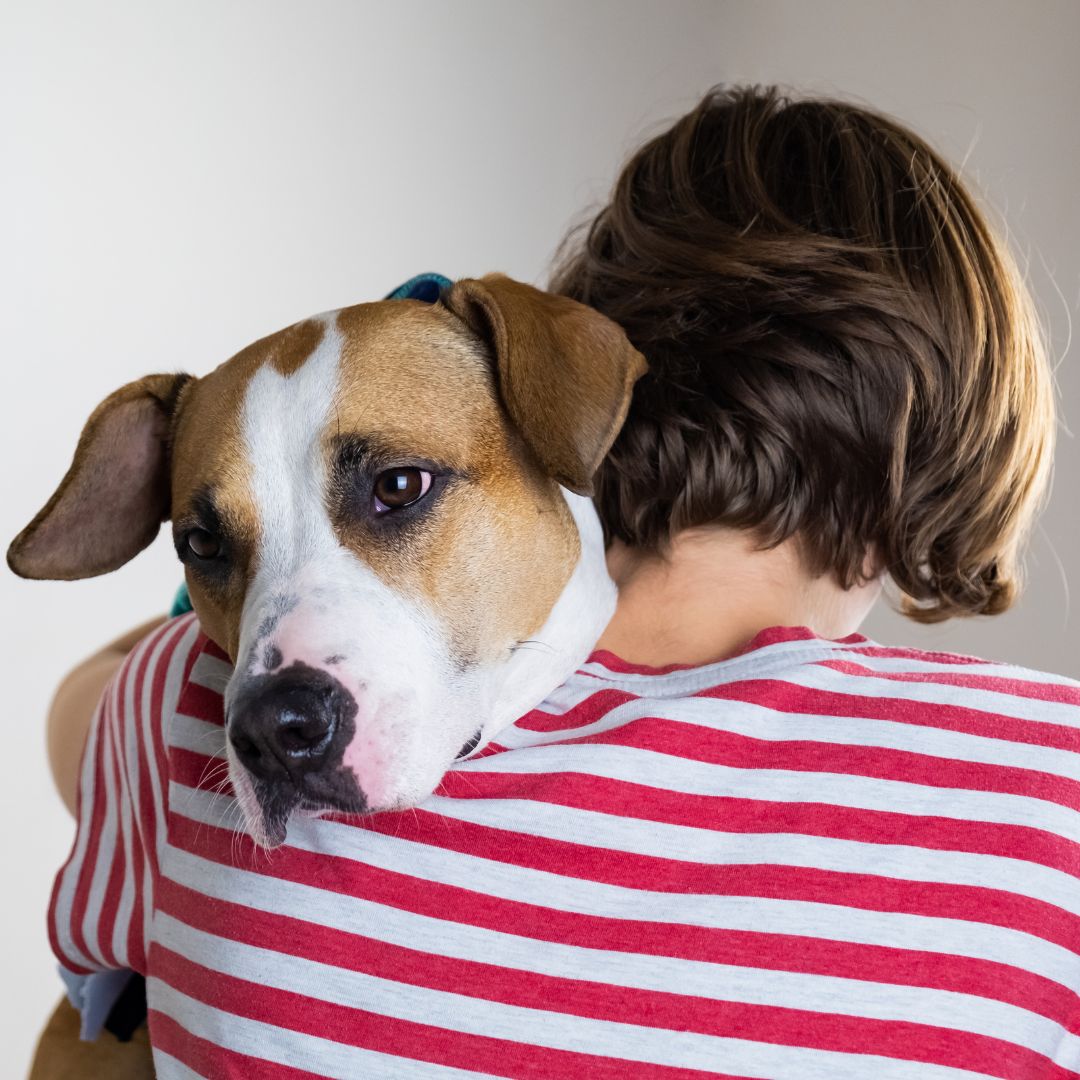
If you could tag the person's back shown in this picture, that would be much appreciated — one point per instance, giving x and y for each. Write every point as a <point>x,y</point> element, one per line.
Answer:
<point>813,858</point>
<point>729,845</point>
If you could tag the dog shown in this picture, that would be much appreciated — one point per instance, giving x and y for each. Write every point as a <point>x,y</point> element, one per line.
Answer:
<point>384,517</point>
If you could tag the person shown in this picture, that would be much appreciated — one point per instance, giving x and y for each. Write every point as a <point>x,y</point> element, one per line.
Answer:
<point>742,839</point>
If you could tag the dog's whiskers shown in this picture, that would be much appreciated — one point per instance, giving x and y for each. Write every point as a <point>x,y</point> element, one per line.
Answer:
<point>215,681</point>
<point>532,645</point>
<point>211,771</point>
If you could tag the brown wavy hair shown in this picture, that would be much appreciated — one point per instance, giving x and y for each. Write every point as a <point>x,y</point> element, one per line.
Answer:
<point>840,350</point>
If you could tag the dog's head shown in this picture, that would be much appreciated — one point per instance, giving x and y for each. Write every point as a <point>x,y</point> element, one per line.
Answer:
<point>384,521</point>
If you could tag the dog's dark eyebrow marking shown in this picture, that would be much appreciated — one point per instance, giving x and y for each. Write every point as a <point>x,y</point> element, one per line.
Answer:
<point>204,506</point>
<point>363,453</point>
<point>352,452</point>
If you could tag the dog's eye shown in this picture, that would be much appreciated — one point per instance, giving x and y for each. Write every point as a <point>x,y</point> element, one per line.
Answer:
<point>203,544</point>
<point>396,488</point>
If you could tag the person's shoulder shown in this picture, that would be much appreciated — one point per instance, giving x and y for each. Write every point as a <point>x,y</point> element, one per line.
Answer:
<point>793,663</point>
<point>948,667</point>
<point>955,678</point>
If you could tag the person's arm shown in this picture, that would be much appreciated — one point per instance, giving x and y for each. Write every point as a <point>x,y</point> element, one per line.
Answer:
<point>73,708</point>
<point>99,937</point>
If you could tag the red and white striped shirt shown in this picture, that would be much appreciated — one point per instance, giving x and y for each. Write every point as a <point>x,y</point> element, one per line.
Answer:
<point>814,859</point>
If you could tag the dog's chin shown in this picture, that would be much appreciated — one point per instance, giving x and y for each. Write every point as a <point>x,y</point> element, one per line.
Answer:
<point>267,813</point>
<point>271,830</point>
<point>266,817</point>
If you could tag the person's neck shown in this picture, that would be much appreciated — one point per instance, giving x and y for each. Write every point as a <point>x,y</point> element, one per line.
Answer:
<point>713,591</point>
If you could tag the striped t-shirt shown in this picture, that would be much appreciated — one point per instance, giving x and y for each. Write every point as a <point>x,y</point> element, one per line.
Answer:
<point>816,859</point>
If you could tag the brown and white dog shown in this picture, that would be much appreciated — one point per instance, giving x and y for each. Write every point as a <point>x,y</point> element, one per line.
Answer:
<point>383,513</point>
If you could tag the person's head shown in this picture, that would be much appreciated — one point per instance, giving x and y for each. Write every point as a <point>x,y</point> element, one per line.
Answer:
<point>841,351</point>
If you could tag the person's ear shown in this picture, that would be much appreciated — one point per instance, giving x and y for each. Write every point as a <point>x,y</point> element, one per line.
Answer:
<point>116,494</point>
<point>564,372</point>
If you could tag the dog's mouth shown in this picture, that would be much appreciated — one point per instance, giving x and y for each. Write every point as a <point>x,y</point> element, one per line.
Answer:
<point>293,750</point>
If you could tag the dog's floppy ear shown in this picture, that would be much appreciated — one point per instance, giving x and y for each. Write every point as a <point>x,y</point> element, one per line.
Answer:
<point>115,496</point>
<point>564,371</point>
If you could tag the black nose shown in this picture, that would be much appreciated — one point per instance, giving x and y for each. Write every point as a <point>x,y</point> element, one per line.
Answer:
<point>284,725</point>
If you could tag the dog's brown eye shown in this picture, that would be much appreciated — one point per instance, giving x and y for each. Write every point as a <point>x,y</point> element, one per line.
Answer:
<point>203,544</point>
<point>400,487</point>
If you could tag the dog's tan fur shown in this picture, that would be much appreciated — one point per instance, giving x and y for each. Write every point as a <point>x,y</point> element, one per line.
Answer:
<point>208,452</point>
<point>438,400</point>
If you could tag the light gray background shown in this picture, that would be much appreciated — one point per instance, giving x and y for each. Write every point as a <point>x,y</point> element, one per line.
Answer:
<point>180,179</point>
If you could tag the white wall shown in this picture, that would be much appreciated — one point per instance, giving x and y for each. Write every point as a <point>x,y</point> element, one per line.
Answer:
<point>183,178</point>
<point>180,179</point>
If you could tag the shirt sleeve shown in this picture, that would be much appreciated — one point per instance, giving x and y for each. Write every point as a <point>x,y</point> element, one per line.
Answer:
<point>103,897</point>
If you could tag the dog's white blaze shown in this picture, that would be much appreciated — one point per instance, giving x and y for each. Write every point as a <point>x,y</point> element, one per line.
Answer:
<point>315,601</point>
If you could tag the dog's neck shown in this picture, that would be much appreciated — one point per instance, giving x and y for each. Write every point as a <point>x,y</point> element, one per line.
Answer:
<point>566,639</point>
<point>713,590</point>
